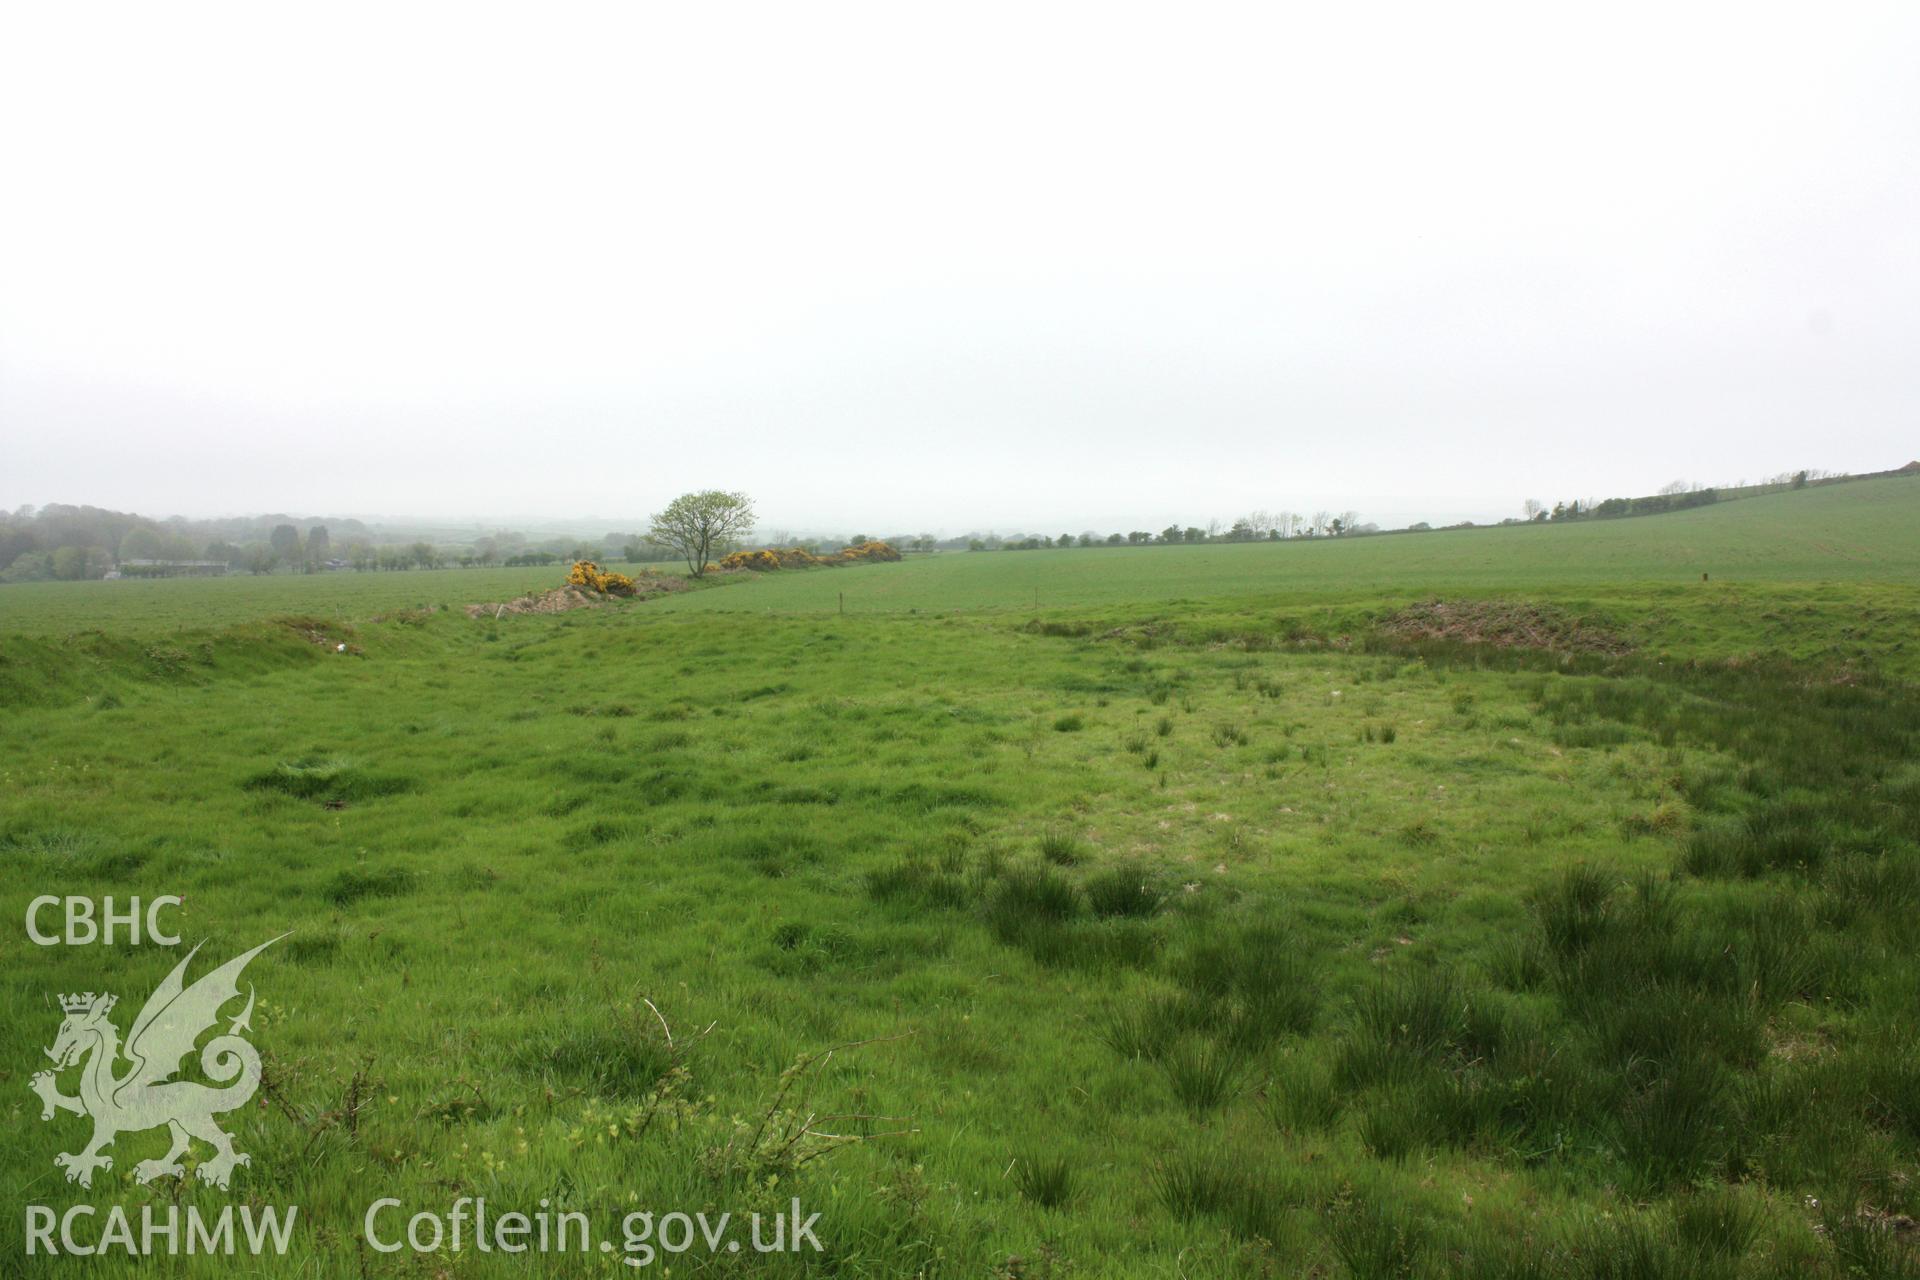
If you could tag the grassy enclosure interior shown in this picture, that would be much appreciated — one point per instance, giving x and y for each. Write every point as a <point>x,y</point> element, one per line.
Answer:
<point>1206,911</point>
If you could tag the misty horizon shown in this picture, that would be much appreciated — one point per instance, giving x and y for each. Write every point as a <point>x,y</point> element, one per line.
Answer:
<point>592,524</point>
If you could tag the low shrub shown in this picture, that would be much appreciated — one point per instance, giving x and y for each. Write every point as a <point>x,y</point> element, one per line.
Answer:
<point>763,561</point>
<point>585,573</point>
<point>867,553</point>
<point>772,559</point>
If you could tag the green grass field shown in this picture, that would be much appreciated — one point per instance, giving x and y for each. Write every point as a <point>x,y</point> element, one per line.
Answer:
<point>1199,920</point>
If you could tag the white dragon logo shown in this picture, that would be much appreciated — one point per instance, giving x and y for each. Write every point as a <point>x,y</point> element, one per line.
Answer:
<point>147,1096</point>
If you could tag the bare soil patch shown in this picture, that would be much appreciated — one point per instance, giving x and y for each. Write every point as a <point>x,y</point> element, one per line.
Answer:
<point>568,598</point>
<point>1503,623</point>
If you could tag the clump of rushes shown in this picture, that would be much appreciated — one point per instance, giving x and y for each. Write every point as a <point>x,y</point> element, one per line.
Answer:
<point>1045,1180</point>
<point>1062,848</point>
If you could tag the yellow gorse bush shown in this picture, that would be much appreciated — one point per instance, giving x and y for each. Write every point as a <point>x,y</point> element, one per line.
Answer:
<point>768,559</point>
<point>586,573</point>
<point>869,551</point>
<point>758,561</point>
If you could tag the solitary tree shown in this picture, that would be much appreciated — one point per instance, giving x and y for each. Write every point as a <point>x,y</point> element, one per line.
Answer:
<point>695,524</point>
<point>1533,508</point>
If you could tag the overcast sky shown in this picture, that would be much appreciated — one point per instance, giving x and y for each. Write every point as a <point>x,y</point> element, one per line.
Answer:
<point>909,267</point>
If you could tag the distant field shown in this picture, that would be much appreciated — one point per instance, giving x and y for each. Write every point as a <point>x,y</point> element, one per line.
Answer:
<point>1851,532</point>
<point>173,604</point>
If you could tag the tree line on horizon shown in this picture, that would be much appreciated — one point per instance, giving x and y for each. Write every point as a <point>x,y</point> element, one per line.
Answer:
<point>60,542</point>
<point>1676,496</point>
<point>1257,526</point>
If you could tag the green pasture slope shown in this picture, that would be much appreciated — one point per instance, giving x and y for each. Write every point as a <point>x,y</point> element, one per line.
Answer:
<point>1209,927</point>
<point>1858,532</point>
